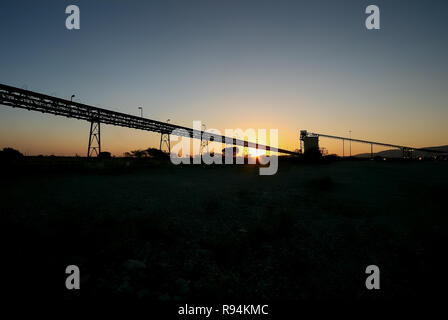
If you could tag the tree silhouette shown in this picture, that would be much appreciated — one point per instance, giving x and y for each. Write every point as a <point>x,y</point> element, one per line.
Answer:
<point>10,153</point>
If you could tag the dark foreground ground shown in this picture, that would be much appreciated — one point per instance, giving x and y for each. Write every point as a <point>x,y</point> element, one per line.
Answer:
<point>162,232</point>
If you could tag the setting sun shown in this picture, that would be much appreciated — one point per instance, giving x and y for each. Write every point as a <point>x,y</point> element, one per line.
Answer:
<point>257,152</point>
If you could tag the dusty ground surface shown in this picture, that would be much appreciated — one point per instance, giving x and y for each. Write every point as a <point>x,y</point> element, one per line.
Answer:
<point>213,233</point>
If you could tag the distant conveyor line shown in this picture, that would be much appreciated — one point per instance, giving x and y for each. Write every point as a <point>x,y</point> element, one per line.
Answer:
<point>376,143</point>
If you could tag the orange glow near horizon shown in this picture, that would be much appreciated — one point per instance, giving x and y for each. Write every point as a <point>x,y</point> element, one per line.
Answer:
<point>68,141</point>
<point>51,135</point>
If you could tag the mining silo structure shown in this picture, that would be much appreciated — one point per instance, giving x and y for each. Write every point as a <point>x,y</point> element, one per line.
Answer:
<point>309,142</point>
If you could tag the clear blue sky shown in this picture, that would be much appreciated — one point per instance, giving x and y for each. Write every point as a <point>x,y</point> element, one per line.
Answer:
<point>271,64</point>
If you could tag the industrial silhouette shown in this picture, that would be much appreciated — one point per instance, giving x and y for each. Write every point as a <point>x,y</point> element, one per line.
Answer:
<point>21,98</point>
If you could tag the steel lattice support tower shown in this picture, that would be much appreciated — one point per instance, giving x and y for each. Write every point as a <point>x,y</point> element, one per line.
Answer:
<point>204,145</point>
<point>204,142</point>
<point>94,139</point>
<point>165,141</point>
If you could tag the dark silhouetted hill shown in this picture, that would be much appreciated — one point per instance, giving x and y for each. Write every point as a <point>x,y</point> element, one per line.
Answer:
<point>396,153</point>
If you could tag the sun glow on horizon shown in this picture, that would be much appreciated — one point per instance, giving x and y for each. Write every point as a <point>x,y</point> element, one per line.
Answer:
<point>257,152</point>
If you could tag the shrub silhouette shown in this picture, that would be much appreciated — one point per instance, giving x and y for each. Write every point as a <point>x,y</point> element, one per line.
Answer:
<point>104,155</point>
<point>155,153</point>
<point>148,153</point>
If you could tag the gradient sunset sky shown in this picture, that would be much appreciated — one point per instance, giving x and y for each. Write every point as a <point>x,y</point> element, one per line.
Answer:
<point>244,64</point>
